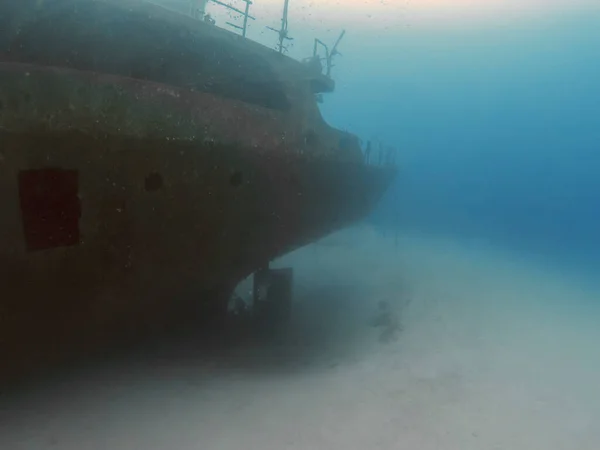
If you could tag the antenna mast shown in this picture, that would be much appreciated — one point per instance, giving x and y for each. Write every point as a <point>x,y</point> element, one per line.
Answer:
<point>283,31</point>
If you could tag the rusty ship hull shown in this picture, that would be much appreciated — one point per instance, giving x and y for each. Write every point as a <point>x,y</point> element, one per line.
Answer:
<point>134,203</point>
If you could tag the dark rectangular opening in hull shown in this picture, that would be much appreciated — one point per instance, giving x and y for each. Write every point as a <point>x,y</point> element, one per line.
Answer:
<point>50,208</point>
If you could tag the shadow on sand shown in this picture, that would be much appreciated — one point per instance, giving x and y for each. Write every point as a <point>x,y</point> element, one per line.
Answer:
<point>329,327</point>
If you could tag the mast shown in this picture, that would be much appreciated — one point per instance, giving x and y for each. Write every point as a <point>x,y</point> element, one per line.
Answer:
<point>283,31</point>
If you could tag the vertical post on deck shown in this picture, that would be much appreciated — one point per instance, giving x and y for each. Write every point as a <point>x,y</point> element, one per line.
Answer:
<point>248,3</point>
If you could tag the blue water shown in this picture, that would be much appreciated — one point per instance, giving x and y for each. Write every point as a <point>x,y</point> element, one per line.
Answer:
<point>498,131</point>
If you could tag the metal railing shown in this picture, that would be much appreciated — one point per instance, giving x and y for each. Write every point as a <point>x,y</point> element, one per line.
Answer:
<point>383,155</point>
<point>328,55</point>
<point>283,34</point>
<point>245,13</point>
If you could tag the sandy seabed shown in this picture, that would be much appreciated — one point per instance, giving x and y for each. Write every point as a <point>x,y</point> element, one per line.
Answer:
<point>496,352</point>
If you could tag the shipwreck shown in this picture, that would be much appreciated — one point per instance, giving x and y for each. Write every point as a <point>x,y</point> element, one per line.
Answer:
<point>149,161</point>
